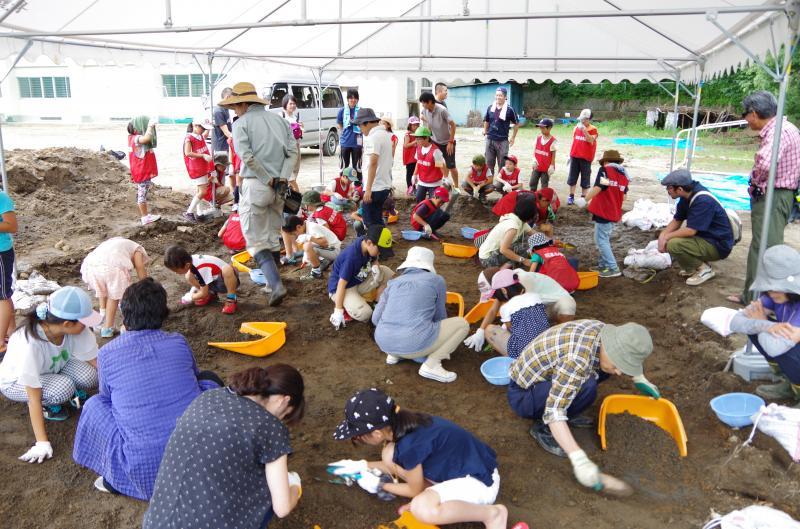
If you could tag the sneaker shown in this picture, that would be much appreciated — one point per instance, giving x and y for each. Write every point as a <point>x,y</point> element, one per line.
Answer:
<point>571,200</point>
<point>703,274</point>
<point>206,300</point>
<point>55,413</point>
<point>106,332</point>
<point>392,359</point>
<point>581,421</point>
<point>781,390</point>
<point>100,485</point>
<point>438,373</point>
<point>149,219</point>
<point>595,268</point>
<point>288,260</point>
<point>544,437</point>
<point>191,217</point>
<point>78,399</point>
<point>229,307</point>
<point>313,275</point>
<point>610,272</point>
<point>324,264</point>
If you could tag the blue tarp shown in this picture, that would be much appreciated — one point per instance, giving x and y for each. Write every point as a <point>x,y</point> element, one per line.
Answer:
<point>731,190</point>
<point>652,142</point>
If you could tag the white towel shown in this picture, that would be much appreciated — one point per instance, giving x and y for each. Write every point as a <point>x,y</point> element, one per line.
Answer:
<point>503,110</point>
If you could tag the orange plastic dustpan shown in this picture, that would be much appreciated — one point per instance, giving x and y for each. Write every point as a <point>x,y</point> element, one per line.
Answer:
<point>477,312</point>
<point>454,298</point>
<point>238,261</point>
<point>407,521</point>
<point>660,411</point>
<point>272,337</point>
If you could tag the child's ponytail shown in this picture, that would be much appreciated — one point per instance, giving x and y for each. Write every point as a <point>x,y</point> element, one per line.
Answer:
<point>278,379</point>
<point>404,421</point>
<point>40,314</point>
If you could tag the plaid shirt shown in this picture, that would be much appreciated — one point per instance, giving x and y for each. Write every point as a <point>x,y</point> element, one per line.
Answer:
<point>787,174</point>
<point>567,355</point>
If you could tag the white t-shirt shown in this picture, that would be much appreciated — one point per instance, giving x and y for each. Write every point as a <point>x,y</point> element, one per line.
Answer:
<point>516,303</point>
<point>492,242</point>
<point>208,266</point>
<point>314,229</point>
<point>379,142</point>
<point>26,359</point>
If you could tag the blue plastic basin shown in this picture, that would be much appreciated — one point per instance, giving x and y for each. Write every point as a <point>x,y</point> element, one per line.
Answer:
<point>735,409</point>
<point>411,235</point>
<point>257,276</point>
<point>495,370</point>
<point>468,233</point>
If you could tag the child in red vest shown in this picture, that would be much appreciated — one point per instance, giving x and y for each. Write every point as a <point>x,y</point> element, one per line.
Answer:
<point>341,191</point>
<point>199,162</point>
<point>409,152</point>
<point>604,202</point>
<point>319,213</point>
<point>427,217</point>
<point>548,260</point>
<point>544,155</point>
<point>507,179</point>
<point>479,180</point>
<point>208,276</point>
<point>216,181</point>
<point>584,147</point>
<point>231,234</point>
<point>236,167</point>
<point>386,123</point>
<point>429,172</point>
<point>142,141</point>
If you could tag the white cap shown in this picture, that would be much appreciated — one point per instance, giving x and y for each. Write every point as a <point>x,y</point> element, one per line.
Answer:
<point>586,113</point>
<point>203,121</point>
<point>419,257</point>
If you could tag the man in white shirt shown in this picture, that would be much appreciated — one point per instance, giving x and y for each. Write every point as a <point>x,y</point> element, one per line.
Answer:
<point>376,164</point>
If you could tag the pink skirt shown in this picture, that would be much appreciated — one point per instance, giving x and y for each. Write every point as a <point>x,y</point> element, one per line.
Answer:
<point>106,281</point>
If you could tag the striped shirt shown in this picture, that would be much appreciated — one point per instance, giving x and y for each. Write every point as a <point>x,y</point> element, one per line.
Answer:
<point>567,355</point>
<point>787,173</point>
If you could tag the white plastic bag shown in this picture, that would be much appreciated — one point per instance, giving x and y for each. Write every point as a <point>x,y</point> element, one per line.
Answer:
<point>783,424</point>
<point>648,257</point>
<point>758,517</point>
<point>718,319</point>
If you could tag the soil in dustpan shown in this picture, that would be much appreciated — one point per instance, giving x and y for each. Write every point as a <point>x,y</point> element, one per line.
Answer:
<point>644,455</point>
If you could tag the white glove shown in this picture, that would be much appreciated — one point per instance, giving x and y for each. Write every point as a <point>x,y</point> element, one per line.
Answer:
<point>551,170</point>
<point>586,472</point>
<point>376,271</point>
<point>152,123</point>
<point>187,298</point>
<point>507,188</point>
<point>535,164</point>
<point>39,452</point>
<point>476,341</point>
<point>369,482</point>
<point>581,126</point>
<point>207,157</point>
<point>604,181</point>
<point>303,238</point>
<point>337,319</point>
<point>427,229</point>
<point>349,467</point>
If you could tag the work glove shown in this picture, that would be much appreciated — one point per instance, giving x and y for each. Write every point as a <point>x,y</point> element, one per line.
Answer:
<point>348,467</point>
<point>152,123</point>
<point>369,482</point>
<point>187,298</point>
<point>427,229</point>
<point>476,341</point>
<point>551,170</point>
<point>337,319</point>
<point>535,165</point>
<point>294,479</point>
<point>586,472</point>
<point>376,271</point>
<point>604,181</point>
<point>39,452</point>
<point>646,387</point>
<point>208,157</point>
<point>507,188</point>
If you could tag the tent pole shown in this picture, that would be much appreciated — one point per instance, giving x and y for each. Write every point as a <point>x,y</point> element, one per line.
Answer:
<point>693,135</point>
<point>319,126</point>
<point>675,131</point>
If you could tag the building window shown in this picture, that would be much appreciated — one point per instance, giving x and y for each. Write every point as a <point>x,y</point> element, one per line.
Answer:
<point>44,87</point>
<point>188,85</point>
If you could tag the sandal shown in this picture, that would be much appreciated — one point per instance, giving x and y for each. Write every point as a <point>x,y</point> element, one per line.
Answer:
<point>735,299</point>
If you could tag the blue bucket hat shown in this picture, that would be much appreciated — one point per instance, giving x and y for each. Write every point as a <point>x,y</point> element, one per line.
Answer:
<point>73,304</point>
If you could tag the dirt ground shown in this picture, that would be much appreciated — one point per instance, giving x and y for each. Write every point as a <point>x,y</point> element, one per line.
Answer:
<point>82,198</point>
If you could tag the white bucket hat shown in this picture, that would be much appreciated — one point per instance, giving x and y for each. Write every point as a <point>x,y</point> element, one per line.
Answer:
<point>779,271</point>
<point>419,257</point>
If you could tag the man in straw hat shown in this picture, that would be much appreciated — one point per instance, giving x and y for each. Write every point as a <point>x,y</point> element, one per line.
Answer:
<point>555,378</point>
<point>267,147</point>
<point>604,202</point>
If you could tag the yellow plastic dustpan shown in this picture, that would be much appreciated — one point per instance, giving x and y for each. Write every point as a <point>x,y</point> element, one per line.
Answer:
<point>272,337</point>
<point>238,261</point>
<point>659,411</point>
<point>454,298</point>
<point>477,312</point>
<point>407,521</point>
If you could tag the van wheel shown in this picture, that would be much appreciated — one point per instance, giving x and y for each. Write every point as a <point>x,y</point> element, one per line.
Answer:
<point>331,142</point>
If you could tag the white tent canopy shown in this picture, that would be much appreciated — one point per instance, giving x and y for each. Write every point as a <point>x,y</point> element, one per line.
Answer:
<point>559,40</point>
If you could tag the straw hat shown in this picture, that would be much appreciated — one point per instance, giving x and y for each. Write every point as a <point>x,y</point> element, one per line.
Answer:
<point>242,93</point>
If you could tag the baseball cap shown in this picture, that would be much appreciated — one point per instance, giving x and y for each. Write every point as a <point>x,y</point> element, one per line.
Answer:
<point>73,304</point>
<point>502,279</point>
<point>512,158</point>
<point>502,89</point>
<point>678,177</point>
<point>366,411</point>
<point>442,193</point>
<point>413,120</point>
<point>382,237</point>
<point>203,121</point>
<point>545,122</point>
<point>350,173</point>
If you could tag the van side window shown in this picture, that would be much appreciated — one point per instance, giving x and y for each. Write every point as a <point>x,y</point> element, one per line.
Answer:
<point>304,96</point>
<point>332,97</point>
<point>278,91</point>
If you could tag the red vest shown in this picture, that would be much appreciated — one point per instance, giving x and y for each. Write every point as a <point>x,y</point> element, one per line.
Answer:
<point>507,204</point>
<point>233,237</point>
<point>512,178</point>
<point>431,208</point>
<point>580,147</point>
<point>333,219</point>
<point>338,188</point>
<point>607,204</point>
<point>409,152</point>
<point>543,155</point>
<point>557,267</point>
<point>237,162</point>
<point>197,167</point>
<point>142,169</point>
<point>479,178</point>
<point>427,171</point>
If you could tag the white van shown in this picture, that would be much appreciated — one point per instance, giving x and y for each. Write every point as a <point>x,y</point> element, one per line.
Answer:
<point>308,101</point>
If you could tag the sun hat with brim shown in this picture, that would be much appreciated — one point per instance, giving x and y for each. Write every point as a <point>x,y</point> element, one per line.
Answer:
<point>365,115</point>
<point>423,132</point>
<point>779,271</point>
<point>242,93</point>
<point>611,156</point>
<point>628,346</point>
<point>365,412</point>
<point>311,198</point>
<point>203,121</point>
<point>502,279</point>
<point>538,239</point>
<point>382,238</point>
<point>73,304</point>
<point>419,257</point>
